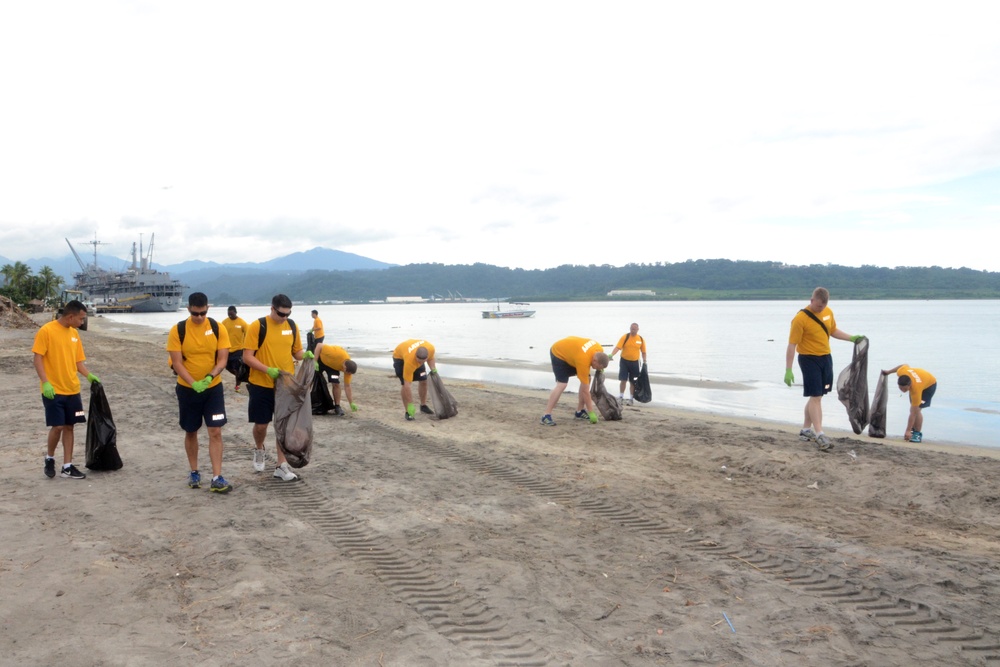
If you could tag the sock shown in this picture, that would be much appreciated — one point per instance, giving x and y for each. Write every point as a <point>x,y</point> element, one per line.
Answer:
<point>214,478</point>
<point>66,466</point>
<point>50,458</point>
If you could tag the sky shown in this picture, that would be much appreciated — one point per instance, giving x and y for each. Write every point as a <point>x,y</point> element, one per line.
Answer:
<point>525,134</point>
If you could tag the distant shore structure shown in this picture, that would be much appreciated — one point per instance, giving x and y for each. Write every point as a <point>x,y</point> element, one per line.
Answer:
<point>631,292</point>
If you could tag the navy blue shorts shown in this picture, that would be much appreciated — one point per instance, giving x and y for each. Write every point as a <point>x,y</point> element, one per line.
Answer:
<point>817,374</point>
<point>332,375</point>
<point>64,410</point>
<point>561,369</point>
<point>260,408</point>
<point>628,370</point>
<point>419,375</point>
<point>208,407</point>
<point>925,398</point>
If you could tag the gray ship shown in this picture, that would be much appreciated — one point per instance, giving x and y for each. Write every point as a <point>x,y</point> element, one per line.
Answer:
<point>137,289</point>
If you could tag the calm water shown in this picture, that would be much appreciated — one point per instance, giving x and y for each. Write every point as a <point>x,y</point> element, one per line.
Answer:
<point>717,342</point>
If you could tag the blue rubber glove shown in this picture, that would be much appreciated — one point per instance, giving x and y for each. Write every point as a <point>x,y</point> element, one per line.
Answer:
<point>789,378</point>
<point>273,373</point>
<point>48,391</point>
<point>856,338</point>
<point>202,384</point>
<point>593,417</point>
<point>411,409</point>
<point>308,355</point>
<point>354,407</point>
<point>93,378</point>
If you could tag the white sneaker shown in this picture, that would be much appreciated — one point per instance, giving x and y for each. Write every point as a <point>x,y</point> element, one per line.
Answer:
<point>258,460</point>
<point>807,434</point>
<point>284,473</point>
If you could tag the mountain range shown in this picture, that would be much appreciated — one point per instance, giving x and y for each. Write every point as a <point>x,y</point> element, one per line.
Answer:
<point>194,272</point>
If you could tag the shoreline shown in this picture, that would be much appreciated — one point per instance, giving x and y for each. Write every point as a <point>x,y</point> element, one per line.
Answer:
<point>145,334</point>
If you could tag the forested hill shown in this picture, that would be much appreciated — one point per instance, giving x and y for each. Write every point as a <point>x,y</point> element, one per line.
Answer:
<point>691,280</point>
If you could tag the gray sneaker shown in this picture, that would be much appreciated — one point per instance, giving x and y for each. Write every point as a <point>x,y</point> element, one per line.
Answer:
<point>284,473</point>
<point>807,434</point>
<point>258,460</point>
<point>823,443</point>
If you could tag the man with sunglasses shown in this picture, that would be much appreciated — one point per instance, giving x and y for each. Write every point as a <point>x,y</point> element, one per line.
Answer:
<point>266,358</point>
<point>198,358</point>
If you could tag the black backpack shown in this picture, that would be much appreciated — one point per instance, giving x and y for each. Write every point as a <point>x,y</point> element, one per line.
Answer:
<point>182,329</point>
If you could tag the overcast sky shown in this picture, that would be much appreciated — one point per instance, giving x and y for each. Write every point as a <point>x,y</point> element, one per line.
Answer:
<point>521,134</point>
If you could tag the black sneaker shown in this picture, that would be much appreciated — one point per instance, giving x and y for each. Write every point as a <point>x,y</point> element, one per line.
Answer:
<point>581,414</point>
<point>220,485</point>
<point>409,417</point>
<point>72,473</point>
<point>50,468</point>
<point>426,410</point>
<point>337,410</point>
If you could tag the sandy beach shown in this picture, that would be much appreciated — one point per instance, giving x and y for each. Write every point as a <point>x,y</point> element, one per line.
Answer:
<point>668,538</point>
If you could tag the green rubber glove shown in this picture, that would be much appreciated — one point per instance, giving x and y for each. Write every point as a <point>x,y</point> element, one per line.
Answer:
<point>308,355</point>
<point>316,366</point>
<point>856,338</point>
<point>611,357</point>
<point>273,373</point>
<point>202,384</point>
<point>434,371</point>
<point>48,391</point>
<point>789,378</point>
<point>354,407</point>
<point>411,409</point>
<point>593,417</point>
<point>93,378</point>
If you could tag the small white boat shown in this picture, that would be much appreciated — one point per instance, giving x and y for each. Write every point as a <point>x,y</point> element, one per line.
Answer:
<point>512,311</point>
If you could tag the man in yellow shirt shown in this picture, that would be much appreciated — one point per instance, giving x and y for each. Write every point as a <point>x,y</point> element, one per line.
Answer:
<point>316,335</point>
<point>920,385</point>
<point>58,357</point>
<point>575,356</point>
<point>408,362</point>
<point>632,346</point>
<point>202,354</point>
<point>812,328</point>
<point>334,360</point>
<point>237,330</point>
<point>278,351</point>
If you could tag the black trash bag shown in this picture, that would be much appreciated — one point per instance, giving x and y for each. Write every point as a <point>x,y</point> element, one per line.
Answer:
<point>243,373</point>
<point>609,406</point>
<point>445,405</point>
<point>643,392</point>
<point>102,435</point>
<point>880,403</point>
<point>293,424</point>
<point>852,386</point>
<point>310,342</point>
<point>322,401</point>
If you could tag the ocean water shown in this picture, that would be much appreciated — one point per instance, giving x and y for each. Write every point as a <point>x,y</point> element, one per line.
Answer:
<point>719,357</point>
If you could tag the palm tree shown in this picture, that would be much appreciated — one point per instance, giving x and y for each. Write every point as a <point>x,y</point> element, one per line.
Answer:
<point>50,282</point>
<point>18,275</point>
<point>7,272</point>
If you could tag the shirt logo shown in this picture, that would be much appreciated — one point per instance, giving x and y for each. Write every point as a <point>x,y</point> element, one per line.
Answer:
<point>286,332</point>
<point>218,417</point>
<point>209,333</point>
<point>73,339</point>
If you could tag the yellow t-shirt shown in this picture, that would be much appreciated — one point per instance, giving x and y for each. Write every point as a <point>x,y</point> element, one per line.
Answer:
<point>237,329</point>
<point>407,351</point>
<point>275,352</point>
<point>317,328</point>
<point>61,350</point>
<point>808,336</point>
<point>578,353</point>
<point>199,349</point>
<point>919,380</point>
<point>334,356</point>
<point>633,348</point>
